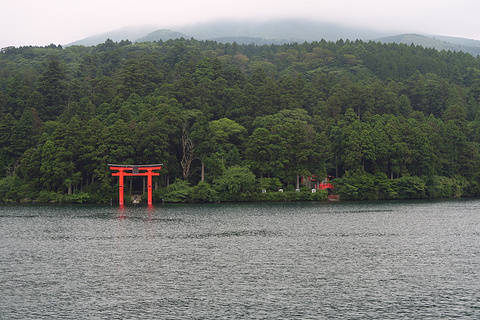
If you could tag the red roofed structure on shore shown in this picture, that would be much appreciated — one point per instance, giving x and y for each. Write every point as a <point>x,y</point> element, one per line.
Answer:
<point>319,185</point>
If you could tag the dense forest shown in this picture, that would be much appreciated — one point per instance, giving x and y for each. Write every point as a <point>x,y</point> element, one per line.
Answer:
<point>388,121</point>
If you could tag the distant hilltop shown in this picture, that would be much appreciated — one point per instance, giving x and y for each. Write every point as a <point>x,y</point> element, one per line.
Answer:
<point>128,33</point>
<point>278,32</point>
<point>436,42</point>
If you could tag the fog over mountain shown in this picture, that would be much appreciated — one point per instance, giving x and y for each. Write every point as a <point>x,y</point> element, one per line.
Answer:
<point>278,32</point>
<point>436,41</point>
<point>274,31</point>
<point>40,23</point>
<point>128,33</point>
<point>294,30</point>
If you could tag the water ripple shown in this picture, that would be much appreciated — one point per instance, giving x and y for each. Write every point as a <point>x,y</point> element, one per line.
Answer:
<point>383,260</point>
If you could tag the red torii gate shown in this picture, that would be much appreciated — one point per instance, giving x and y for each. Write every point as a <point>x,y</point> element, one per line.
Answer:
<point>135,171</point>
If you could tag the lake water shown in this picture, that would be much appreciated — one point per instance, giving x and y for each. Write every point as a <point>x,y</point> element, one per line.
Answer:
<point>356,260</point>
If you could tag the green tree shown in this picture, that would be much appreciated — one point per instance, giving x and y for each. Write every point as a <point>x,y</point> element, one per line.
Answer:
<point>236,183</point>
<point>266,153</point>
<point>138,76</point>
<point>52,87</point>
<point>55,169</point>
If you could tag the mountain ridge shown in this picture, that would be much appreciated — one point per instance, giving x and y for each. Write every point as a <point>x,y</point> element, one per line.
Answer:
<point>435,41</point>
<point>125,33</point>
<point>293,30</point>
<point>162,34</point>
<point>279,32</point>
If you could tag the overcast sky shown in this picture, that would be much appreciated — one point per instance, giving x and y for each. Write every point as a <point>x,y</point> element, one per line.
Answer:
<point>41,22</point>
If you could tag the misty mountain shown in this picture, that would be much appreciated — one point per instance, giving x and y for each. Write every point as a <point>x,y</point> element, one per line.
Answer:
<point>278,32</point>
<point>162,34</point>
<point>128,33</point>
<point>249,40</point>
<point>437,42</point>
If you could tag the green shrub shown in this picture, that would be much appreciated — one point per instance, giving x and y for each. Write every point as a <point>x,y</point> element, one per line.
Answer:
<point>179,191</point>
<point>304,194</point>
<point>98,193</point>
<point>236,184</point>
<point>357,187</point>
<point>45,196</point>
<point>410,188</point>
<point>268,184</point>
<point>203,192</point>
<point>445,187</point>
<point>78,197</point>
<point>366,186</point>
<point>5,185</point>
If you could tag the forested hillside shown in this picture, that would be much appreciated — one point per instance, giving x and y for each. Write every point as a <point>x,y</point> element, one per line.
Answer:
<point>389,121</point>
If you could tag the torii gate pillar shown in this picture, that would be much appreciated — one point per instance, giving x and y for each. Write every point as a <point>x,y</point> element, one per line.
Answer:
<point>136,170</point>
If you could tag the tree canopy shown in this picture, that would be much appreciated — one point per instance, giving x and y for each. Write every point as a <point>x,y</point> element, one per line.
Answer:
<point>389,121</point>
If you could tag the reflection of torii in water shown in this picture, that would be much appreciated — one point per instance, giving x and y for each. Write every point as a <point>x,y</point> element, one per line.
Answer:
<point>136,170</point>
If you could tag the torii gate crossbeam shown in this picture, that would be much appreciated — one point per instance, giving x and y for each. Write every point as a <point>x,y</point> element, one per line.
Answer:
<point>136,170</point>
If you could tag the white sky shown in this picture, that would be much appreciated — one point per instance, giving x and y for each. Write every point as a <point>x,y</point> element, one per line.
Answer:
<point>41,22</point>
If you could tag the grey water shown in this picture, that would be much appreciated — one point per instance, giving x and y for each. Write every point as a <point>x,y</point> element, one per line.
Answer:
<point>355,260</point>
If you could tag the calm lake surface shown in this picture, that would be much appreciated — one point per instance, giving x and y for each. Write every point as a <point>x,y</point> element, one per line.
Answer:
<point>358,260</point>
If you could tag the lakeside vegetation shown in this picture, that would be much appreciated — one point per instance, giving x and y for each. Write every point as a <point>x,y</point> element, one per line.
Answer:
<point>389,121</point>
